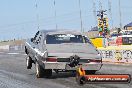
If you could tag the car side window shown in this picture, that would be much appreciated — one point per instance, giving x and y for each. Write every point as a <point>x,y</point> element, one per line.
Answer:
<point>86,40</point>
<point>36,35</point>
<point>39,38</point>
<point>35,39</point>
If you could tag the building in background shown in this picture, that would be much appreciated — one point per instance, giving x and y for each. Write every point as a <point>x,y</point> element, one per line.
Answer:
<point>93,33</point>
<point>128,26</point>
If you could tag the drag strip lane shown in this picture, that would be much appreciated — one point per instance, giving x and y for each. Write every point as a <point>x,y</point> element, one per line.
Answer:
<point>13,71</point>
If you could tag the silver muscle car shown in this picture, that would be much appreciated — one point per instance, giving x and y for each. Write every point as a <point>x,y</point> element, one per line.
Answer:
<point>55,50</point>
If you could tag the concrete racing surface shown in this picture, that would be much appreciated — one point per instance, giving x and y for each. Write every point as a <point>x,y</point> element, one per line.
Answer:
<point>13,74</point>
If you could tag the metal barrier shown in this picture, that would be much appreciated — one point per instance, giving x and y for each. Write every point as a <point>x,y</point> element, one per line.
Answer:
<point>4,48</point>
<point>16,47</point>
<point>12,47</point>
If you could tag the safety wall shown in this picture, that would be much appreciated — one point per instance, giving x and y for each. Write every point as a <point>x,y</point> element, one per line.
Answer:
<point>121,54</point>
<point>16,47</point>
<point>11,47</point>
<point>4,47</point>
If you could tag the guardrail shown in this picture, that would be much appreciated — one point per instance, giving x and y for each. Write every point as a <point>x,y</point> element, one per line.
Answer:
<point>4,47</point>
<point>12,45</point>
<point>16,47</point>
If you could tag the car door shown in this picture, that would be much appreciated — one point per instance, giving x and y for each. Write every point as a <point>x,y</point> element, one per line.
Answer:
<point>34,45</point>
<point>39,46</point>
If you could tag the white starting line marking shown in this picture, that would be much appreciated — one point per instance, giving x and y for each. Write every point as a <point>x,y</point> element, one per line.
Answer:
<point>16,54</point>
<point>13,53</point>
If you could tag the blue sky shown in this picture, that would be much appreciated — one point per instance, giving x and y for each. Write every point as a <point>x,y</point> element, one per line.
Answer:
<point>18,18</point>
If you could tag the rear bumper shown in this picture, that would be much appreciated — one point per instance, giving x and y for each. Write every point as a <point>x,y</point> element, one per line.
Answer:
<point>65,66</point>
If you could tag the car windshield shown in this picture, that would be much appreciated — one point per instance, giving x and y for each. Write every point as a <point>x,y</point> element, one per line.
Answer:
<point>65,38</point>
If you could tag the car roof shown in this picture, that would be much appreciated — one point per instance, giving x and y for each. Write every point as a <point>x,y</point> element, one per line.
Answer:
<point>52,32</point>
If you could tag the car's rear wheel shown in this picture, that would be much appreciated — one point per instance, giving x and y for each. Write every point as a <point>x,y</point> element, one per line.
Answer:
<point>29,62</point>
<point>48,73</point>
<point>40,72</point>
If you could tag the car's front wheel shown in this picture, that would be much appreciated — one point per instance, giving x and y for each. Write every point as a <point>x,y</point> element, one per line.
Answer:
<point>40,72</point>
<point>29,62</point>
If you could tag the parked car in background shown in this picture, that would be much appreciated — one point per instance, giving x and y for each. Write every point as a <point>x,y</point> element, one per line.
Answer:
<point>124,37</point>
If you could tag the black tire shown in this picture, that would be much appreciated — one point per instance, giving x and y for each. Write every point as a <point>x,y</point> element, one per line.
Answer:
<point>26,51</point>
<point>40,72</point>
<point>29,62</point>
<point>48,73</point>
<point>90,72</point>
<point>80,79</point>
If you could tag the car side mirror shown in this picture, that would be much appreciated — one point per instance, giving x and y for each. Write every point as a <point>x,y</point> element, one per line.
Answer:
<point>32,39</point>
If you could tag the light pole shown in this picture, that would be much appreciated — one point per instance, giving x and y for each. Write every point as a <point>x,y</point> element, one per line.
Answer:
<point>55,14</point>
<point>82,30</point>
<point>120,14</point>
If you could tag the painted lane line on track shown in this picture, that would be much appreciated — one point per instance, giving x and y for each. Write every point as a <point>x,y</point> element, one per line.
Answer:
<point>13,53</point>
<point>1,52</point>
<point>24,54</point>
